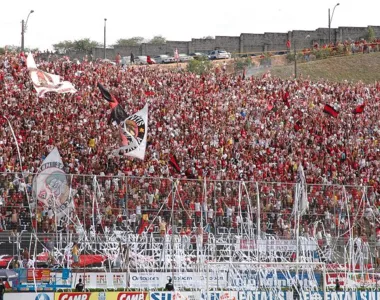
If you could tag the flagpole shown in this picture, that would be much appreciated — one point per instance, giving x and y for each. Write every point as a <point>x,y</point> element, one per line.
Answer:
<point>16,142</point>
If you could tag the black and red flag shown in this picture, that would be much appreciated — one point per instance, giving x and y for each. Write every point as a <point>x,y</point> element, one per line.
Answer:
<point>328,109</point>
<point>298,126</point>
<point>359,109</point>
<point>117,114</point>
<point>174,163</point>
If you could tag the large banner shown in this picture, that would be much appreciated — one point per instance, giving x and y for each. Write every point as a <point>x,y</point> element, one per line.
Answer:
<point>80,296</point>
<point>101,280</point>
<point>45,82</point>
<point>127,296</point>
<point>193,280</point>
<point>29,296</point>
<point>183,280</point>
<point>196,295</point>
<point>133,134</point>
<point>50,186</point>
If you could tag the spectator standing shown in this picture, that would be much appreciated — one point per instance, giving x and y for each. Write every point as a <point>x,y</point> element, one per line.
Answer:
<point>337,285</point>
<point>2,289</point>
<point>169,286</point>
<point>14,221</point>
<point>25,258</point>
<point>80,286</point>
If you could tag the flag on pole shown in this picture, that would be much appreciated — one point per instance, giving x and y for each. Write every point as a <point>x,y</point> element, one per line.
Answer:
<point>301,203</point>
<point>45,82</point>
<point>174,163</point>
<point>328,109</point>
<point>133,134</point>
<point>118,114</point>
<point>50,185</point>
<point>133,128</point>
<point>359,109</point>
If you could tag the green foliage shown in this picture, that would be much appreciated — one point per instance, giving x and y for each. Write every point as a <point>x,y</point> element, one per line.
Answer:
<point>199,66</point>
<point>158,39</point>
<point>370,34</point>
<point>321,53</point>
<point>83,45</point>
<point>265,59</point>
<point>64,46</point>
<point>133,41</point>
<point>2,51</point>
<point>290,56</point>
<point>242,63</point>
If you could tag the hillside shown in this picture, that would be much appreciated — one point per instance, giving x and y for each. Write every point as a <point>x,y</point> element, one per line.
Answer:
<point>358,67</point>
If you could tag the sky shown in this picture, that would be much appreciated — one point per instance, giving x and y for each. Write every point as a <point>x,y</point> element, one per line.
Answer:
<point>55,21</point>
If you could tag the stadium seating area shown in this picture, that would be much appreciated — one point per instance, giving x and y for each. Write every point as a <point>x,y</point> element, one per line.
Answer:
<point>224,130</point>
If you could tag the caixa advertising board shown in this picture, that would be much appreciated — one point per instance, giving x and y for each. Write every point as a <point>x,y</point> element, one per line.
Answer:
<point>196,295</point>
<point>29,296</point>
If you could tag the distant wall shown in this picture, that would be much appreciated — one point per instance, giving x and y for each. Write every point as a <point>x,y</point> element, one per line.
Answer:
<point>246,42</point>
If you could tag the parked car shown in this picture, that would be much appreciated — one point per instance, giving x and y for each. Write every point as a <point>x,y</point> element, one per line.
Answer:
<point>199,55</point>
<point>184,57</point>
<point>163,59</point>
<point>219,54</point>
<point>144,60</point>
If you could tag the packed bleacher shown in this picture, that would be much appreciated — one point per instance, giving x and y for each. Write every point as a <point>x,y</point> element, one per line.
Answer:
<point>222,129</point>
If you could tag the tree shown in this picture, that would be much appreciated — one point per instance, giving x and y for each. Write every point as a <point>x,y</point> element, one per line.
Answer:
<point>2,51</point>
<point>133,41</point>
<point>199,66</point>
<point>158,39</point>
<point>64,46</point>
<point>371,36</point>
<point>242,63</point>
<point>208,37</point>
<point>83,45</point>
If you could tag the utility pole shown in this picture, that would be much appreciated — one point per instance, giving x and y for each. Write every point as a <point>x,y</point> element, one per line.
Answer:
<point>22,35</point>
<point>23,30</point>
<point>105,34</point>
<point>295,58</point>
<point>330,20</point>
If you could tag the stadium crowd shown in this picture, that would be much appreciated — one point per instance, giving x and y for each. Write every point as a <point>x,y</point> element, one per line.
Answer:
<point>223,129</point>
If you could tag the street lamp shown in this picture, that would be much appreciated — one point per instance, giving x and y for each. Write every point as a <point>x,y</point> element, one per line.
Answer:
<point>330,20</point>
<point>23,29</point>
<point>105,32</point>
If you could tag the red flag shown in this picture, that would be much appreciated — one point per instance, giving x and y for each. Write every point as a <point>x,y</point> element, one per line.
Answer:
<point>149,93</point>
<point>173,161</point>
<point>359,109</point>
<point>117,112</point>
<point>149,60</point>
<point>297,126</point>
<point>328,109</point>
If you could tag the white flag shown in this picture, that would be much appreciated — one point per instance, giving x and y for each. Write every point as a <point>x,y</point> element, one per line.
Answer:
<point>301,203</point>
<point>133,133</point>
<point>50,185</point>
<point>45,82</point>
